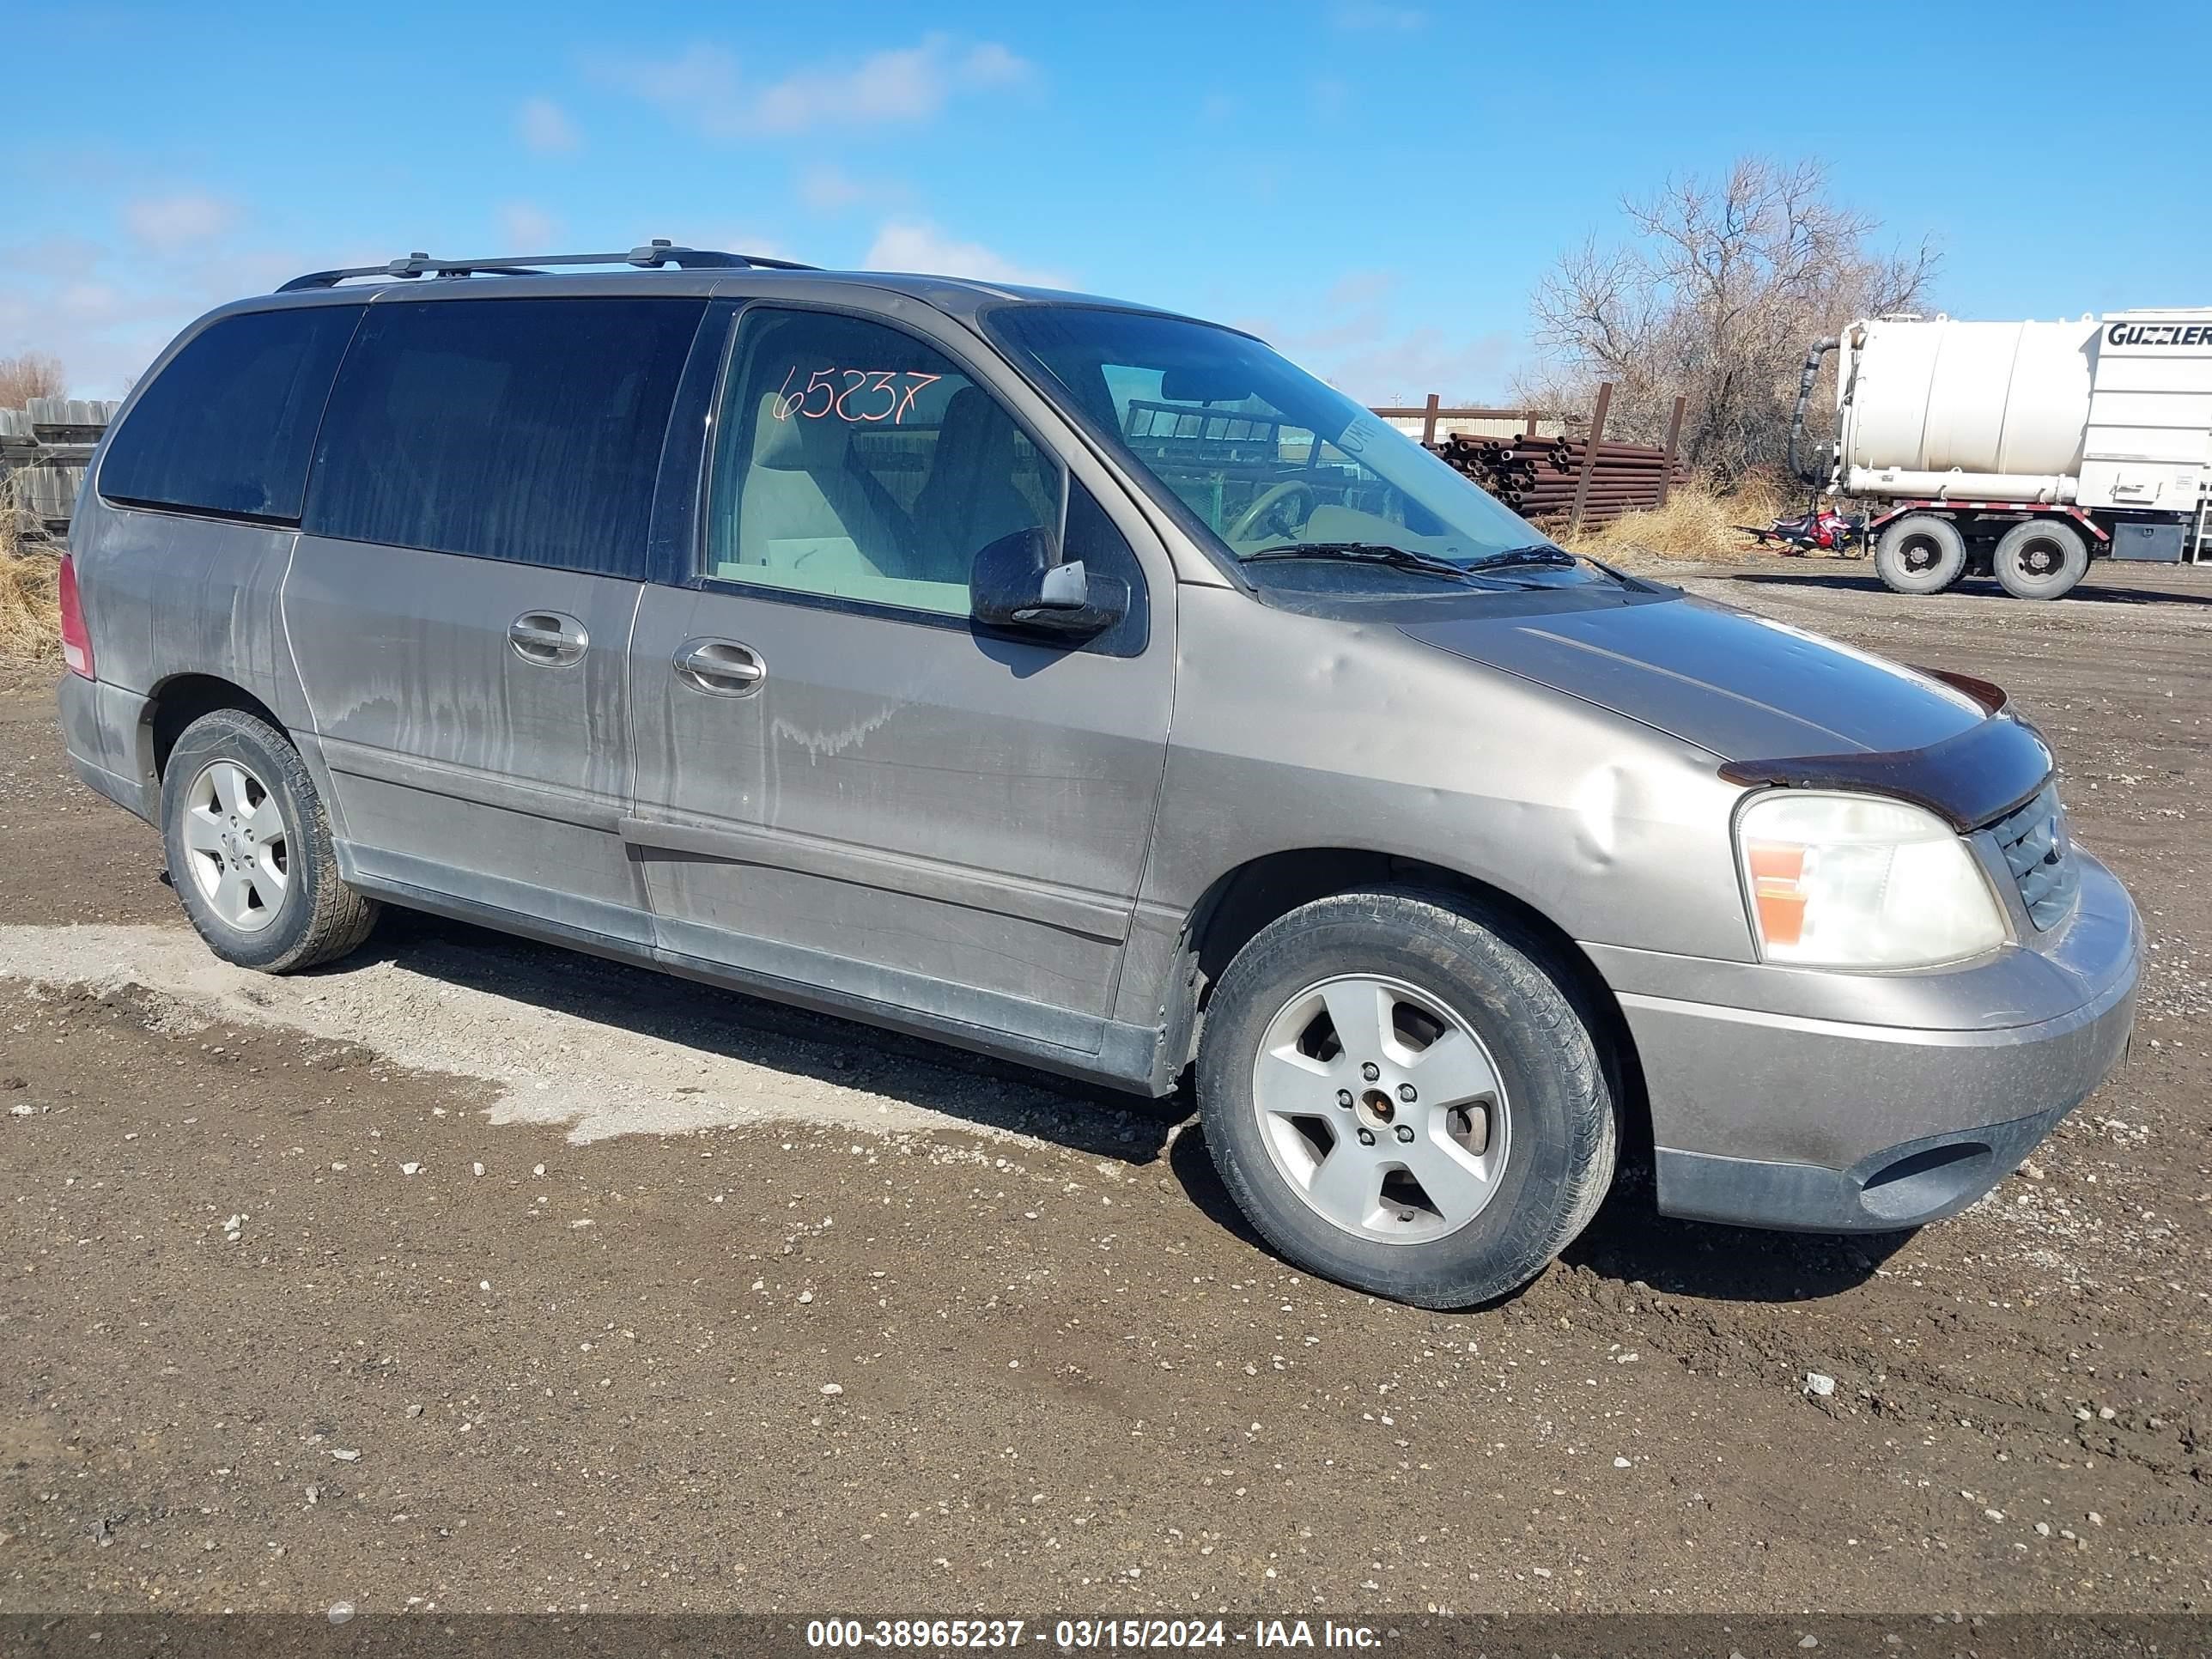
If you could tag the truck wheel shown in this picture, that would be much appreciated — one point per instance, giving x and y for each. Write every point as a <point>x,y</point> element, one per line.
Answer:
<point>2041,559</point>
<point>249,849</point>
<point>1402,1097</point>
<point>1920,554</point>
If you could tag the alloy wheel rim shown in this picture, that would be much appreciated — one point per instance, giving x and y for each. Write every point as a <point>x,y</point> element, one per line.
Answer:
<point>1381,1109</point>
<point>236,846</point>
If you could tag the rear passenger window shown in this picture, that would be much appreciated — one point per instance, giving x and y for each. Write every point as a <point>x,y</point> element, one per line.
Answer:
<point>226,427</point>
<point>523,429</point>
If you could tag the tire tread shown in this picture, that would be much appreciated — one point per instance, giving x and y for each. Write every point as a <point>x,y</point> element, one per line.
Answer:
<point>2075,546</point>
<point>1888,551</point>
<point>342,917</point>
<point>1514,959</point>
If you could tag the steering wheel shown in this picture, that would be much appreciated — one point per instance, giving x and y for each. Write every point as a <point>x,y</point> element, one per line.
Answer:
<point>1261,511</point>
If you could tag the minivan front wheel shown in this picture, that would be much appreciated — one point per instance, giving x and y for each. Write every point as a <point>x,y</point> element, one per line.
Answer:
<point>249,849</point>
<point>1400,1096</point>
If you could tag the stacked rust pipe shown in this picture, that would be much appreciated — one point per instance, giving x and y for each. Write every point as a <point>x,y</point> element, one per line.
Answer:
<point>1537,477</point>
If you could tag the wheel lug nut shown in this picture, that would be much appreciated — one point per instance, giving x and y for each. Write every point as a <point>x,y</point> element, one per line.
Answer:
<point>1405,1131</point>
<point>1367,1137</point>
<point>1344,1098</point>
<point>1370,1070</point>
<point>1406,1093</point>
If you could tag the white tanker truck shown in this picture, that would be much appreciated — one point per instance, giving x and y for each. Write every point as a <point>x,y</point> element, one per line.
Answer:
<point>2021,450</point>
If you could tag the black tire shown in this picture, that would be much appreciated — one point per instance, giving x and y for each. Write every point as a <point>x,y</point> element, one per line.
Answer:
<point>1920,553</point>
<point>1559,1160</point>
<point>2040,559</point>
<point>317,918</point>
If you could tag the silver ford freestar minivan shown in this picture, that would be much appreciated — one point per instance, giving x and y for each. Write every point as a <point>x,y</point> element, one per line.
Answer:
<point>1088,686</point>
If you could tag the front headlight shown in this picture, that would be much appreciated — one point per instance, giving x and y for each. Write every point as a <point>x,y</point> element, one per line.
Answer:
<point>1854,881</point>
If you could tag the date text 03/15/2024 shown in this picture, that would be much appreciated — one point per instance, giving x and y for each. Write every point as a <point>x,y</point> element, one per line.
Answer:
<point>1069,1635</point>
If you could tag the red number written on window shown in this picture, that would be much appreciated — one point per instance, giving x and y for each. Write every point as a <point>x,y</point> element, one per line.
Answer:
<point>851,394</point>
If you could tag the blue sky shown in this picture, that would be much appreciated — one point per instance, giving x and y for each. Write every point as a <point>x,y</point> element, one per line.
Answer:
<point>1374,186</point>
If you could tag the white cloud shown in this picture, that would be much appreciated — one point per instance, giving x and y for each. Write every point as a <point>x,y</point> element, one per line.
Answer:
<point>917,244</point>
<point>528,228</point>
<point>698,86</point>
<point>702,86</point>
<point>829,189</point>
<point>1359,289</point>
<point>545,127</point>
<point>908,83</point>
<point>1353,339</point>
<point>107,310</point>
<point>92,302</point>
<point>1403,368</point>
<point>825,187</point>
<point>175,223</point>
<point>990,64</point>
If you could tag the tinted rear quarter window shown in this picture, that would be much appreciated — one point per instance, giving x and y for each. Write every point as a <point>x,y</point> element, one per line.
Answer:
<point>504,429</point>
<point>226,427</point>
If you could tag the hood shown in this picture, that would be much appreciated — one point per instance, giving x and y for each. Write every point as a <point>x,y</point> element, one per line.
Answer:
<point>1736,685</point>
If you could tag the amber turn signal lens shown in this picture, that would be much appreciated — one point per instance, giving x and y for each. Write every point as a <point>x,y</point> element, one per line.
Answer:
<point>1778,874</point>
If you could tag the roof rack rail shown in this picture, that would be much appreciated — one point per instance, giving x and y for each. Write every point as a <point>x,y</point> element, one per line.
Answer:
<point>650,256</point>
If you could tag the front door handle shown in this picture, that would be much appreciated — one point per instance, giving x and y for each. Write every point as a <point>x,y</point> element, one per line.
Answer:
<point>548,638</point>
<point>722,668</point>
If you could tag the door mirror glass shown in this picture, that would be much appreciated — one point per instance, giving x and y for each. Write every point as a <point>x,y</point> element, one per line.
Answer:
<point>1017,581</point>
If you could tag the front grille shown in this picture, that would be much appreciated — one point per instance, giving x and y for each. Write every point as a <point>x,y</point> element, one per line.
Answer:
<point>2041,859</point>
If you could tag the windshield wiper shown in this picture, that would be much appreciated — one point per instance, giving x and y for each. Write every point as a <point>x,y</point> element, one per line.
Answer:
<point>1541,553</point>
<point>1398,558</point>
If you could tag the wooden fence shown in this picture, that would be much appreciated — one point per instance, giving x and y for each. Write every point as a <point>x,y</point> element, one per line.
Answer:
<point>44,447</point>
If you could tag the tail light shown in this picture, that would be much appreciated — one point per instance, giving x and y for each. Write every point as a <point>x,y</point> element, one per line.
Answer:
<point>77,642</point>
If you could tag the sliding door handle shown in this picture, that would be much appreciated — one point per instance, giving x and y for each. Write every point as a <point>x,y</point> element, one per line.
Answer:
<point>548,638</point>
<point>721,668</point>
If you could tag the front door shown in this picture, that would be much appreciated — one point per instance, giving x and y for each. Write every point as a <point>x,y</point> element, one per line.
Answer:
<point>841,781</point>
<point>460,600</point>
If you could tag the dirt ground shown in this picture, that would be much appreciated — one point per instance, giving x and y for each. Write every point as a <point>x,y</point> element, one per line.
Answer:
<point>473,1276</point>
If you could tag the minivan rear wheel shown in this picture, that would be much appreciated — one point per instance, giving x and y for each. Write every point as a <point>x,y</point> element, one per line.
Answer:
<point>249,849</point>
<point>1400,1096</point>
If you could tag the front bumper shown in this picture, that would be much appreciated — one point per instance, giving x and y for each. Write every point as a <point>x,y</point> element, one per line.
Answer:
<point>1789,1120</point>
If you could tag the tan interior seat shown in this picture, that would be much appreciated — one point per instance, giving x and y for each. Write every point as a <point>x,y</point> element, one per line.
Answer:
<point>970,498</point>
<point>804,507</point>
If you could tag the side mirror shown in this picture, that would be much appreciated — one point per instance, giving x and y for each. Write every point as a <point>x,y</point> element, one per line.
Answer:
<point>1016,583</point>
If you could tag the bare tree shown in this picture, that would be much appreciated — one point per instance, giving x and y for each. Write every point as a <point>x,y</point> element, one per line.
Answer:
<point>31,374</point>
<point>1717,293</point>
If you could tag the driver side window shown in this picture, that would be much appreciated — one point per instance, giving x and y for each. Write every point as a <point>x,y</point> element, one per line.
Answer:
<point>856,462</point>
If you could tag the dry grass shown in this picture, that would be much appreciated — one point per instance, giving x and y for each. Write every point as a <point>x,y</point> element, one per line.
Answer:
<point>30,623</point>
<point>1697,523</point>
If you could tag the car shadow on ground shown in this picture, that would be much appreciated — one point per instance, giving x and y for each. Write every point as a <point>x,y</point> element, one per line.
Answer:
<point>989,1093</point>
<point>1628,1241</point>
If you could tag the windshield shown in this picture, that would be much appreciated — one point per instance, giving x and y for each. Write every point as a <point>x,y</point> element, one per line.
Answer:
<point>1265,457</point>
